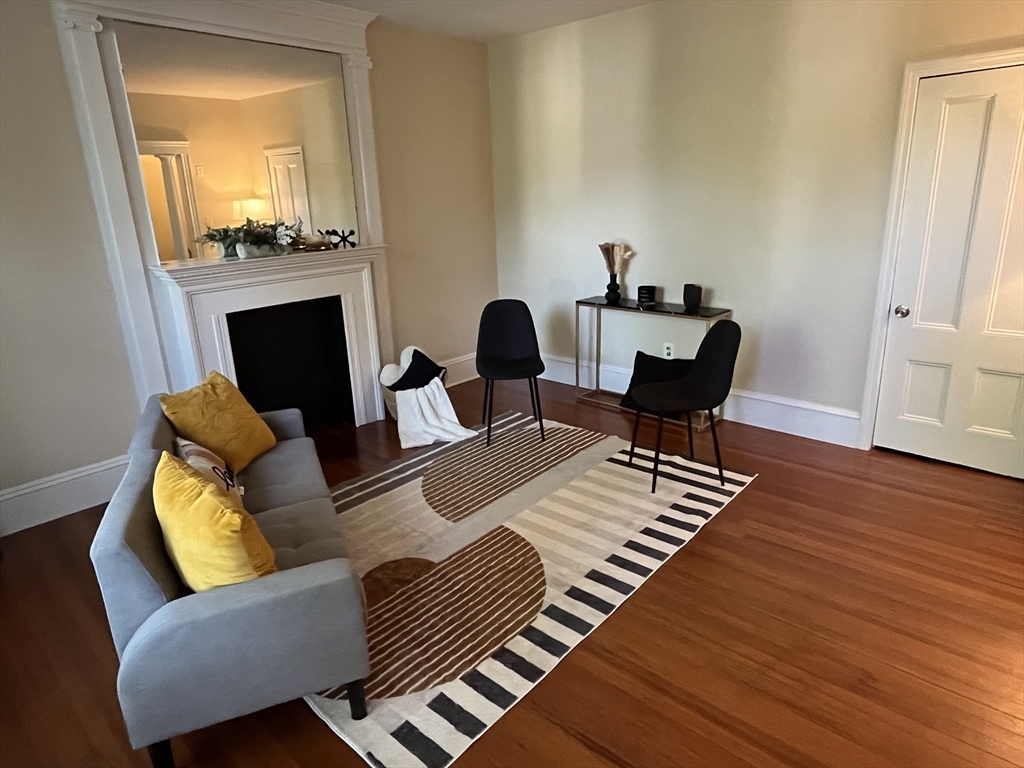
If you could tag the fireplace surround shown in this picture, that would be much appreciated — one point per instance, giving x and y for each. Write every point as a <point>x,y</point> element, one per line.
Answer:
<point>194,298</point>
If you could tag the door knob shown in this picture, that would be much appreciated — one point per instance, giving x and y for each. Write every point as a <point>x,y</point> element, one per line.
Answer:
<point>901,311</point>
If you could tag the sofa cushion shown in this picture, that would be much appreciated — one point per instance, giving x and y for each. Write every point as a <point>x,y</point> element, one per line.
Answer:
<point>217,416</point>
<point>212,540</point>
<point>303,533</point>
<point>287,473</point>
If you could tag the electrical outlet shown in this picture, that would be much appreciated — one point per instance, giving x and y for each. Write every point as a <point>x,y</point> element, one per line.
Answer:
<point>199,170</point>
<point>668,349</point>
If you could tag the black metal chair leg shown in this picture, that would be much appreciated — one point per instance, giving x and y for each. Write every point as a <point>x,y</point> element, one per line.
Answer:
<point>540,414</point>
<point>632,445</point>
<point>160,754</point>
<point>689,430</point>
<point>357,699</point>
<point>487,391</point>
<point>490,411</point>
<point>657,454</point>
<point>533,398</point>
<point>718,454</point>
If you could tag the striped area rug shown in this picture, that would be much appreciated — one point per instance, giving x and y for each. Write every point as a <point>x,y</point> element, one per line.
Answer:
<point>483,566</point>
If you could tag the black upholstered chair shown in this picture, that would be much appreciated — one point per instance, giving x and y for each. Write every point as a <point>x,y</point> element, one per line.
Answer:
<point>507,348</point>
<point>703,387</point>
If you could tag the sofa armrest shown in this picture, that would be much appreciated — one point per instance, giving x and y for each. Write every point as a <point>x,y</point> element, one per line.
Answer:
<point>226,652</point>
<point>285,424</point>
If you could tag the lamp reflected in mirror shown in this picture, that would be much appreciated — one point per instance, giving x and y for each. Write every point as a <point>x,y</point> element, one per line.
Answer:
<point>255,208</point>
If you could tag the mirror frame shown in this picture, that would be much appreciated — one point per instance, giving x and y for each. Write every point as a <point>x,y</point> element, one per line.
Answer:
<point>92,66</point>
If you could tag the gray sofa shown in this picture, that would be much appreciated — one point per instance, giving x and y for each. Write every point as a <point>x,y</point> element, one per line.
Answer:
<point>189,660</point>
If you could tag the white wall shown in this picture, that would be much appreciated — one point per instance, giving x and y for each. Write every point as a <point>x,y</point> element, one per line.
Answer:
<point>66,394</point>
<point>745,146</point>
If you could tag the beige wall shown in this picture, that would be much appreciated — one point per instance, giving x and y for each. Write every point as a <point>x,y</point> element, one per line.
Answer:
<point>745,146</point>
<point>430,111</point>
<point>66,394</point>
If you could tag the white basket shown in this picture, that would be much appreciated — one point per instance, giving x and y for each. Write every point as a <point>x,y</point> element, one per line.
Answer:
<point>391,402</point>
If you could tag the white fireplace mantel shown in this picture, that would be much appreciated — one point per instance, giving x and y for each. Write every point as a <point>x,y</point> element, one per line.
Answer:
<point>194,298</point>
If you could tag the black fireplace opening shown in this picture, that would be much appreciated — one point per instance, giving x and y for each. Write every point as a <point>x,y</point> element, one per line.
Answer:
<point>294,356</point>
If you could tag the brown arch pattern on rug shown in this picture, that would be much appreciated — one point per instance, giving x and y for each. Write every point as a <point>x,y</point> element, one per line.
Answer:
<point>454,615</point>
<point>472,476</point>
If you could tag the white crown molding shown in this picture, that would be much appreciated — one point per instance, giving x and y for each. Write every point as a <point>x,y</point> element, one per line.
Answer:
<point>336,28</point>
<point>39,501</point>
<point>780,414</point>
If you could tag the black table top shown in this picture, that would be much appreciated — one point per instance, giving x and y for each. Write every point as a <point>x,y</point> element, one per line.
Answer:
<point>659,308</point>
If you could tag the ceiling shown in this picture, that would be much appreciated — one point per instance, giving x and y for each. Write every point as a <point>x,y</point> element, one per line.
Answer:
<point>175,62</point>
<point>487,19</point>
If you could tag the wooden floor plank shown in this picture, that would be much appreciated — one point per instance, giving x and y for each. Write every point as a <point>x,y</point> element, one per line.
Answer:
<point>849,608</point>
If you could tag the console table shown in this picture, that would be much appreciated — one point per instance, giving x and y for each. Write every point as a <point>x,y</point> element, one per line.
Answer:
<point>707,315</point>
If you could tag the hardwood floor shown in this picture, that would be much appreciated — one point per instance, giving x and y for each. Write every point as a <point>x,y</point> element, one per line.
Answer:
<point>849,608</point>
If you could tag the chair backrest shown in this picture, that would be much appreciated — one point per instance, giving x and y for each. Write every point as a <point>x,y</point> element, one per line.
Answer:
<point>136,575</point>
<point>715,361</point>
<point>507,331</point>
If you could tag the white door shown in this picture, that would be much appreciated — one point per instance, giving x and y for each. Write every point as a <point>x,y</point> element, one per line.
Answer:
<point>953,370</point>
<point>287,171</point>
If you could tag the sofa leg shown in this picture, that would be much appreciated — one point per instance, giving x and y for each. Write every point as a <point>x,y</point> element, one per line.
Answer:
<point>357,699</point>
<point>160,754</point>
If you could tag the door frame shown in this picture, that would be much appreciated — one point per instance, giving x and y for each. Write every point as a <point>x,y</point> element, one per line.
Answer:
<point>913,73</point>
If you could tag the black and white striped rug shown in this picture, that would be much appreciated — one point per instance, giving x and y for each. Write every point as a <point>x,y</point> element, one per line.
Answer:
<point>483,566</point>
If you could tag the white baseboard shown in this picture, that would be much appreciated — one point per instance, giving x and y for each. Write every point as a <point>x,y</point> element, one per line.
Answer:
<point>795,417</point>
<point>563,370</point>
<point>48,498</point>
<point>460,369</point>
<point>781,414</point>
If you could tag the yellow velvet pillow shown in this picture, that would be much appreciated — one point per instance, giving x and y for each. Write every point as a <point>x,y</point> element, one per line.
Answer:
<point>210,537</point>
<point>218,417</point>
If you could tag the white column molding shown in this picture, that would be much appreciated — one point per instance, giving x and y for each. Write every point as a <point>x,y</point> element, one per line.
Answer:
<point>77,31</point>
<point>69,18</point>
<point>364,174</point>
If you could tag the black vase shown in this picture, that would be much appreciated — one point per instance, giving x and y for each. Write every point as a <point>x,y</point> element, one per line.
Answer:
<point>612,296</point>
<point>692,295</point>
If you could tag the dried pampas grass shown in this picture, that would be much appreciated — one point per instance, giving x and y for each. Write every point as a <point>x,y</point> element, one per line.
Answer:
<point>615,256</point>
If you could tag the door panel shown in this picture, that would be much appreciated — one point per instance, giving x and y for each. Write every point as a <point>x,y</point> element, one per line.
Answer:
<point>287,171</point>
<point>953,369</point>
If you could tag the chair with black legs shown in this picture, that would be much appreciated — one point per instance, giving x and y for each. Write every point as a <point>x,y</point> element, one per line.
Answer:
<point>704,387</point>
<point>507,348</point>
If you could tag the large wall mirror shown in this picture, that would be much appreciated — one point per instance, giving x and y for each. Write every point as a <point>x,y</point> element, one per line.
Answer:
<point>231,129</point>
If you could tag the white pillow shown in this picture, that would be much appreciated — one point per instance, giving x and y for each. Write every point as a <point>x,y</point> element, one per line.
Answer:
<point>209,465</point>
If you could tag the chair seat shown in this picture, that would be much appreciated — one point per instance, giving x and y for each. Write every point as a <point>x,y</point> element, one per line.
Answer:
<point>669,397</point>
<point>304,533</point>
<point>286,474</point>
<point>498,368</point>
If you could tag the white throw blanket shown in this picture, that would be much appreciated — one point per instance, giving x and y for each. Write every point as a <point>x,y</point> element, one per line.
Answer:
<point>426,415</point>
